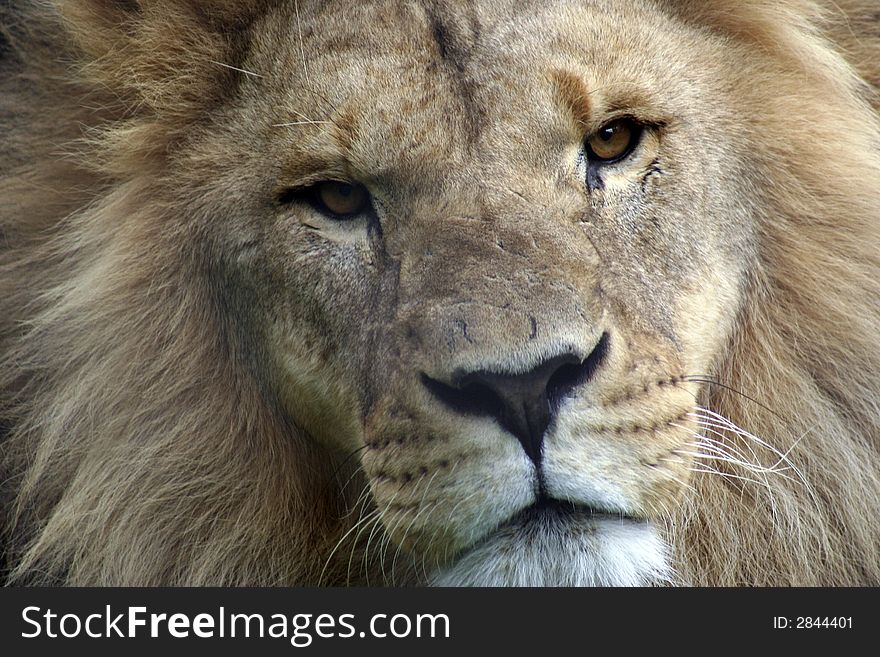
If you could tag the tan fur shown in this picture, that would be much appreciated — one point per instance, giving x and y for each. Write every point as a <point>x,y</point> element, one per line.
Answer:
<point>171,411</point>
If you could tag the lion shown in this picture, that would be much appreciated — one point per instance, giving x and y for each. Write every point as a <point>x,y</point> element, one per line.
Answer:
<point>440,292</point>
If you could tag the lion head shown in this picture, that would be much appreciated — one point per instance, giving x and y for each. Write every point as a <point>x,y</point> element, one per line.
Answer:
<point>462,293</point>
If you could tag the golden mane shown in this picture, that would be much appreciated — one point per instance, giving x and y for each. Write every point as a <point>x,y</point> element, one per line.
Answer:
<point>806,350</point>
<point>139,442</point>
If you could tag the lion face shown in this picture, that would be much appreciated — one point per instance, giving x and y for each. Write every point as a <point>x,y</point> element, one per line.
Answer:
<point>552,293</point>
<point>490,253</point>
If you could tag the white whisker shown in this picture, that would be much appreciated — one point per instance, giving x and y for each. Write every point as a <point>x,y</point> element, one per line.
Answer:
<point>302,50</point>
<point>726,475</point>
<point>422,509</point>
<point>336,547</point>
<point>303,120</point>
<point>235,68</point>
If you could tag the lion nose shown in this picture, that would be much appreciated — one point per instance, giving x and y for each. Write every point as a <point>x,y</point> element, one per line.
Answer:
<point>524,404</point>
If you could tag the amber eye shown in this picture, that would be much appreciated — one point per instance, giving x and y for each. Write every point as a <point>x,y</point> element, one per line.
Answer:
<point>613,141</point>
<point>340,200</point>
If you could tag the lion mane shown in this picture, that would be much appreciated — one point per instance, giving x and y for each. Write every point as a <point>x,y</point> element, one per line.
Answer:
<point>141,443</point>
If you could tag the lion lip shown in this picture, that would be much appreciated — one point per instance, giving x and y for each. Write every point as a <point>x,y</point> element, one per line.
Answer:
<point>553,510</point>
<point>547,514</point>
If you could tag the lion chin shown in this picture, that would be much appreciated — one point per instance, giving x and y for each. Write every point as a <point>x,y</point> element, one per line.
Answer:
<point>563,547</point>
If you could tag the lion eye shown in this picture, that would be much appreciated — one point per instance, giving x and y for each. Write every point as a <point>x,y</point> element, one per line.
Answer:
<point>613,141</point>
<point>340,200</point>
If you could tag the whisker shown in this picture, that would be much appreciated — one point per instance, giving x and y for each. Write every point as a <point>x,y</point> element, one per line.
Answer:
<point>712,416</point>
<point>362,501</point>
<point>391,530</point>
<point>302,49</point>
<point>727,475</point>
<point>303,120</point>
<point>377,525</point>
<point>235,68</point>
<point>430,509</point>
<point>293,123</point>
<point>708,380</point>
<point>724,452</point>
<point>728,451</point>
<point>752,469</point>
<point>720,422</point>
<point>423,508</point>
<point>335,548</point>
<point>343,463</point>
<point>725,443</point>
<point>375,517</point>
<point>722,447</point>
<point>730,454</point>
<point>688,486</point>
<point>746,434</point>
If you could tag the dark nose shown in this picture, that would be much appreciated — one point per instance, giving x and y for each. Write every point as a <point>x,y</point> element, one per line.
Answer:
<point>524,404</point>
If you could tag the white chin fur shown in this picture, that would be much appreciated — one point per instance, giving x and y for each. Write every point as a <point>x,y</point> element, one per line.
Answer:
<point>563,551</point>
